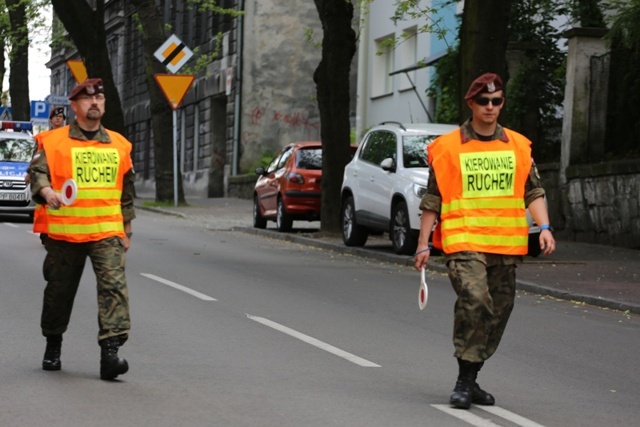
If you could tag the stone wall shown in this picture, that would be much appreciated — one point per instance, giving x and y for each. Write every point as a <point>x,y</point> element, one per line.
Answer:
<point>599,204</point>
<point>241,186</point>
<point>603,203</point>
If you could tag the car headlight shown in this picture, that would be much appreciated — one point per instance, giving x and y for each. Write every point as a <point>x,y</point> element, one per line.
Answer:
<point>419,190</point>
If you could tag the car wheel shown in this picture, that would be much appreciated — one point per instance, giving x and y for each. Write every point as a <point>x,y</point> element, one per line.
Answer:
<point>284,222</point>
<point>403,239</point>
<point>352,233</point>
<point>258,220</point>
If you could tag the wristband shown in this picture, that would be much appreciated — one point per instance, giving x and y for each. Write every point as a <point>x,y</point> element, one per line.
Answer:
<point>424,250</point>
<point>129,234</point>
<point>546,227</point>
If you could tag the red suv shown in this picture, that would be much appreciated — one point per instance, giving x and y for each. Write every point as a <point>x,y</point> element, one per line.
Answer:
<point>289,188</point>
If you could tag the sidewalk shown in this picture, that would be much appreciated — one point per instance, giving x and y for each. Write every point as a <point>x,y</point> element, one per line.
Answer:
<point>598,275</point>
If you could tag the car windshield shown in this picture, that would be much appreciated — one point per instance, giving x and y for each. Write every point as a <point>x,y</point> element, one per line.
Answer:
<point>309,158</point>
<point>15,150</point>
<point>414,150</point>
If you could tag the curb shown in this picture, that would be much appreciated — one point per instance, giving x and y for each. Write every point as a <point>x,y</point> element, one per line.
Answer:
<point>407,261</point>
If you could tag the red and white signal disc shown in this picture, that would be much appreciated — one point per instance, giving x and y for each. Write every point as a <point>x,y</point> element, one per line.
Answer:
<point>69,192</point>
<point>423,293</point>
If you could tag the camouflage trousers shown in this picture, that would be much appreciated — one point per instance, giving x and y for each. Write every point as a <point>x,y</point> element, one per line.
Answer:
<point>486,294</point>
<point>62,270</point>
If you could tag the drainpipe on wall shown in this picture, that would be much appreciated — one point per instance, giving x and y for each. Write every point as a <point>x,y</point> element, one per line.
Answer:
<point>238,94</point>
<point>363,75</point>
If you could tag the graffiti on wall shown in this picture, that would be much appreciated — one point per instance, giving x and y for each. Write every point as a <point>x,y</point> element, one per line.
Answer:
<point>297,121</point>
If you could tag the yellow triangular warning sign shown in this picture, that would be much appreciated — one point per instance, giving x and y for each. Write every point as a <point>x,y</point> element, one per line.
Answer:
<point>77,69</point>
<point>174,87</point>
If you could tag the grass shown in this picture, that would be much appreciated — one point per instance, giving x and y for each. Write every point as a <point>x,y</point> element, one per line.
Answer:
<point>154,204</point>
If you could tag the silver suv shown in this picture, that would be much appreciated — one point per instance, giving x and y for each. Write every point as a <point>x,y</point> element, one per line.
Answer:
<point>384,184</point>
<point>16,150</point>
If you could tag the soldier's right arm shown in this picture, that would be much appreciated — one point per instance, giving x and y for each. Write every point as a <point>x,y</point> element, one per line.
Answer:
<point>40,177</point>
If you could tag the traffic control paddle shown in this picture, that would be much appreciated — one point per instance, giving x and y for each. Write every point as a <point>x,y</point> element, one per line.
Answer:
<point>69,192</point>
<point>423,293</point>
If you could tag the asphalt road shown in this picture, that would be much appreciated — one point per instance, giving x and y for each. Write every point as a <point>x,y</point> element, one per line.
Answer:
<point>231,329</point>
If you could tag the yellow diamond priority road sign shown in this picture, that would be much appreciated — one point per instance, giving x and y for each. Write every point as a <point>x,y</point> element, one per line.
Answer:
<point>173,53</point>
<point>174,87</point>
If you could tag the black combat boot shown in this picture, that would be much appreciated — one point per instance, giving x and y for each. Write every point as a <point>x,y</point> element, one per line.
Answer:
<point>111,365</point>
<point>461,396</point>
<point>51,360</point>
<point>479,396</point>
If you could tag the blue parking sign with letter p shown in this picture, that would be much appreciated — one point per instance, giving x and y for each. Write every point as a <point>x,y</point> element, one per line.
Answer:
<point>39,110</point>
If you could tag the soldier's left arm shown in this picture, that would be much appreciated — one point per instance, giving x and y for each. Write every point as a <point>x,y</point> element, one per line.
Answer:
<point>534,200</point>
<point>126,200</point>
<point>533,187</point>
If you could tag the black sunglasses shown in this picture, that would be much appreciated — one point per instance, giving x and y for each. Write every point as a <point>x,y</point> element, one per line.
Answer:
<point>483,100</point>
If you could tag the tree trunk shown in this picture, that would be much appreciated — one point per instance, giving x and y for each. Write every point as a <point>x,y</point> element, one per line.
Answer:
<point>3,70</point>
<point>19,60</point>
<point>86,28</point>
<point>332,82</point>
<point>483,43</point>
<point>161,114</point>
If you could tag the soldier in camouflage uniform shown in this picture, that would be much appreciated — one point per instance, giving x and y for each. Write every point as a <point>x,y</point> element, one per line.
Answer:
<point>482,227</point>
<point>96,225</point>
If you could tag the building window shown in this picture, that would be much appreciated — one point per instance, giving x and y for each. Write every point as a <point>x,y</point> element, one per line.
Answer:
<point>381,67</point>
<point>407,57</point>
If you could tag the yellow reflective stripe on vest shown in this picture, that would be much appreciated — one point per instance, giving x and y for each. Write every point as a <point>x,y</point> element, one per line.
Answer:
<point>495,221</point>
<point>486,240</point>
<point>99,194</point>
<point>70,211</point>
<point>482,204</point>
<point>102,227</point>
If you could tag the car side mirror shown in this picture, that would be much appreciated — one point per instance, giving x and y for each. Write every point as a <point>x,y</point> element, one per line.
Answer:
<point>388,164</point>
<point>260,171</point>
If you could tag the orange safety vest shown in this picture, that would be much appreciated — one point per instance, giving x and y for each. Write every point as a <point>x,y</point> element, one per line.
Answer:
<point>482,185</point>
<point>98,170</point>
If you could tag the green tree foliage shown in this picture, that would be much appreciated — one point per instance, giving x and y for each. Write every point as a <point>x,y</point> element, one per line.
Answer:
<point>201,61</point>
<point>623,114</point>
<point>536,90</point>
<point>445,87</point>
<point>586,13</point>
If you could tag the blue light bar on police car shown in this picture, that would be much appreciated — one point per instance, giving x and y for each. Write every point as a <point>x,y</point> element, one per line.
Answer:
<point>17,126</point>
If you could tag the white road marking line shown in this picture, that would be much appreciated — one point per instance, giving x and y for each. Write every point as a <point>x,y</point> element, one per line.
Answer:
<point>510,416</point>
<point>314,342</point>
<point>10,224</point>
<point>467,416</point>
<point>179,287</point>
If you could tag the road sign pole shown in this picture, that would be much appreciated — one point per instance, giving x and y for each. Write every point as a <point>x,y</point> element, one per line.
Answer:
<point>175,158</point>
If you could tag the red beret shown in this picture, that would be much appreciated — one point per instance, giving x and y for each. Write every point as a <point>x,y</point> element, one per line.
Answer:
<point>56,111</point>
<point>487,82</point>
<point>89,86</point>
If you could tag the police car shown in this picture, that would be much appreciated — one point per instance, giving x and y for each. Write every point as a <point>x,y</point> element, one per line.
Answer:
<point>16,149</point>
